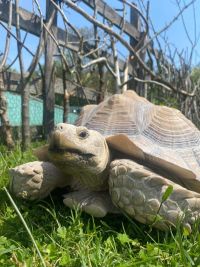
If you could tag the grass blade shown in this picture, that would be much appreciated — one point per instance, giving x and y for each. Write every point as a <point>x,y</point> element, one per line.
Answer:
<point>25,225</point>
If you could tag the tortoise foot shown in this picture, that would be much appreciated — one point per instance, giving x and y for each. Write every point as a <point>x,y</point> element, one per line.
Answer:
<point>97,204</point>
<point>35,180</point>
<point>139,192</point>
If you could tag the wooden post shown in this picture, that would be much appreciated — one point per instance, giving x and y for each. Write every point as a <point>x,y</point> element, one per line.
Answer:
<point>49,81</point>
<point>137,86</point>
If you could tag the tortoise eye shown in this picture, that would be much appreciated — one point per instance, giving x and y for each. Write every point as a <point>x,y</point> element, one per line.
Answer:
<point>83,134</point>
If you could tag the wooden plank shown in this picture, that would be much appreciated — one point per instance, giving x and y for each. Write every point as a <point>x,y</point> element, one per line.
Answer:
<point>28,21</point>
<point>31,23</point>
<point>110,14</point>
<point>9,82</point>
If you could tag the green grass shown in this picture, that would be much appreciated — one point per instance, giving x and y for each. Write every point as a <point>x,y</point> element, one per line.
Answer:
<point>72,239</point>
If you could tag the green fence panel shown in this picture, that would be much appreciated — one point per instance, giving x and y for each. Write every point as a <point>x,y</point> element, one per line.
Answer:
<point>35,110</point>
<point>14,108</point>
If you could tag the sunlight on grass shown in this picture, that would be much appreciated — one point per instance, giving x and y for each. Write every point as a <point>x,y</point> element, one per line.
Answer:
<point>71,238</point>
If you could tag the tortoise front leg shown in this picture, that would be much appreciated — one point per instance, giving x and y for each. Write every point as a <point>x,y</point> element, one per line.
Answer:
<point>35,180</point>
<point>97,204</point>
<point>138,192</point>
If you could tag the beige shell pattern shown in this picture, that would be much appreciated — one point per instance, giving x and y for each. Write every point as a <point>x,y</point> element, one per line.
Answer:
<point>156,135</point>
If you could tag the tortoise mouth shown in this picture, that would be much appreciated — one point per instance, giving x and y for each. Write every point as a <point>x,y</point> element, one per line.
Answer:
<point>55,149</point>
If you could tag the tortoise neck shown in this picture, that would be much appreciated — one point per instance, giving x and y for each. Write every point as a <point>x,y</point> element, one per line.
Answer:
<point>96,180</point>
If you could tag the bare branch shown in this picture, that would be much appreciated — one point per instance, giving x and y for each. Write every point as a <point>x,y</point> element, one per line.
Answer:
<point>144,19</point>
<point>7,45</point>
<point>160,84</point>
<point>167,25</point>
<point>66,20</point>
<point>110,31</point>
<point>125,77</point>
<point>123,41</point>
<point>116,66</point>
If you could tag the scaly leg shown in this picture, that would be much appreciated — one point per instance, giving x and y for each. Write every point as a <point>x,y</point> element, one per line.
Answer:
<point>138,192</point>
<point>35,180</point>
<point>97,204</point>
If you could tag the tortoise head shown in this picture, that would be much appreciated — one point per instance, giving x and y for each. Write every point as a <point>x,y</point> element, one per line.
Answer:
<point>77,150</point>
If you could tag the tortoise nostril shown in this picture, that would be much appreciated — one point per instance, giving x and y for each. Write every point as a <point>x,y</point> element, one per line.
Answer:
<point>59,127</point>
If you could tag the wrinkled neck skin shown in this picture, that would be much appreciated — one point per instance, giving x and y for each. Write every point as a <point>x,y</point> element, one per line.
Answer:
<point>93,178</point>
<point>86,171</point>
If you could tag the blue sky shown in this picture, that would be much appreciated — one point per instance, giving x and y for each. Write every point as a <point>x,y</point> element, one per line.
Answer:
<point>161,12</point>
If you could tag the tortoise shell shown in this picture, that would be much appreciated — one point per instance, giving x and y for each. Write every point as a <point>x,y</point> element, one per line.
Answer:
<point>159,136</point>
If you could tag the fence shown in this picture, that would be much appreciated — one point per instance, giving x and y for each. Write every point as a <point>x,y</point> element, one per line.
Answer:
<point>35,111</point>
<point>31,23</point>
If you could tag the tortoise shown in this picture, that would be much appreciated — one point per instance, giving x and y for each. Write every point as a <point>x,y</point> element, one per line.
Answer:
<point>122,156</point>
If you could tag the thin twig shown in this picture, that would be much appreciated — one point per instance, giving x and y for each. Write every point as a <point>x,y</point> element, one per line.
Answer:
<point>14,60</point>
<point>167,25</point>
<point>12,34</point>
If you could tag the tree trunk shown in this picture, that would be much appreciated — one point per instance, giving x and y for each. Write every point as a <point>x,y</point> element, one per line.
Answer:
<point>24,88</point>
<point>66,104</point>
<point>49,94</point>
<point>101,91</point>
<point>138,71</point>
<point>7,132</point>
